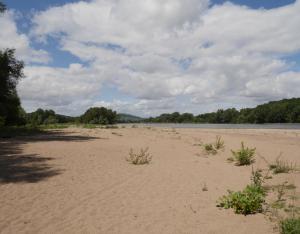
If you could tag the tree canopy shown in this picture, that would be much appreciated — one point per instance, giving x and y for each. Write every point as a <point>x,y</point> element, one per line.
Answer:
<point>284,111</point>
<point>99,115</point>
<point>11,70</point>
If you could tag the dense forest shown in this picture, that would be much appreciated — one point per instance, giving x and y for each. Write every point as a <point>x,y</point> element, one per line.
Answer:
<point>283,111</point>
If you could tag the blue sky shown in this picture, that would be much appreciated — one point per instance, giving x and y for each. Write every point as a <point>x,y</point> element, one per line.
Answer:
<point>43,5</point>
<point>150,57</point>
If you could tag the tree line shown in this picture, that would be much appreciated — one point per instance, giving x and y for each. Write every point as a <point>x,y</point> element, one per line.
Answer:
<point>283,111</point>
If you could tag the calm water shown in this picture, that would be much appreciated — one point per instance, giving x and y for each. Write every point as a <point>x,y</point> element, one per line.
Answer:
<point>224,126</point>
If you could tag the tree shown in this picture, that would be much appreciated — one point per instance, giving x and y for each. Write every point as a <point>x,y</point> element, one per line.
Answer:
<point>99,115</point>
<point>11,70</point>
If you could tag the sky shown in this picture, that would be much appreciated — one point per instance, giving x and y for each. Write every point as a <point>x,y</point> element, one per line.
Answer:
<point>152,56</point>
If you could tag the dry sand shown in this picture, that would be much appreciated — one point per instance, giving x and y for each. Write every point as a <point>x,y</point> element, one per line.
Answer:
<point>77,181</point>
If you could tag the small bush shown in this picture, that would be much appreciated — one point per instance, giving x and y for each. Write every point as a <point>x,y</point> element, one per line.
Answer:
<point>290,226</point>
<point>219,144</point>
<point>280,166</point>
<point>143,157</point>
<point>248,201</point>
<point>209,149</point>
<point>244,156</point>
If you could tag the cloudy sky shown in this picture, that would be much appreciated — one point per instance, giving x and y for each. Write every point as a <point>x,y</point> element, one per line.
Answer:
<point>148,57</point>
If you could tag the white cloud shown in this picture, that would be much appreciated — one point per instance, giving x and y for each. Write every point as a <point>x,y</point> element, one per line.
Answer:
<point>174,52</point>
<point>11,38</point>
<point>59,88</point>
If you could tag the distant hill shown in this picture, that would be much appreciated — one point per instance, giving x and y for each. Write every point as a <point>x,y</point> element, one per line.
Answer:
<point>126,118</point>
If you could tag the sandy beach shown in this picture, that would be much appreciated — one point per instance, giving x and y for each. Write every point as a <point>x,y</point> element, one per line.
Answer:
<point>77,180</point>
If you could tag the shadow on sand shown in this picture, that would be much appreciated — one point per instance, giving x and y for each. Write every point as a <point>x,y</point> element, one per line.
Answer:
<point>17,167</point>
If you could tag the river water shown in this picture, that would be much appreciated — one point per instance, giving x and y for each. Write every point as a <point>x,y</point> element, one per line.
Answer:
<point>221,126</point>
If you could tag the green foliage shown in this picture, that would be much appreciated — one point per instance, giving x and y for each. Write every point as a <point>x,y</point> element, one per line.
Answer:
<point>284,111</point>
<point>143,157</point>
<point>244,156</point>
<point>248,201</point>
<point>99,115</point>
<point>290,226</point>
<point>11,70</point>
<point>47,117</point>
<point>212,148</point>
<point>15,131</point>
<point>126,118</point>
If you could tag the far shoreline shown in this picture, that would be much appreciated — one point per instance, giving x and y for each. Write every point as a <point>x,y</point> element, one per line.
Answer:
<point>290,126</point>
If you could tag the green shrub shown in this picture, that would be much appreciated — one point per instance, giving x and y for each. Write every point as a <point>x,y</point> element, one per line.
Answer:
<point>290,226</point>
<point>243,156</point>
<point>248,201</point>
<point>143,157</point>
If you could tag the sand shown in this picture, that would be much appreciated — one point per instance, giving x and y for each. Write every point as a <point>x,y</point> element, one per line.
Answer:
<point>78,181</point>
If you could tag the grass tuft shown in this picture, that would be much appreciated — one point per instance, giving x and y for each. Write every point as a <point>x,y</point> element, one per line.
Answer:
<point>143,157</point>
<point>243,156</point>
<point>209,149</point>
<point>219,144</point>
<point>213,148</point>
<point>290,226</point>
<point>280,166</point>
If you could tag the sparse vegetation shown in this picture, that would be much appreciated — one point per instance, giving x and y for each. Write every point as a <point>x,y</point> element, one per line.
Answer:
<point>257,177</point>
<point>248,201</point>
<point>243,156</point>
<point>290,226</point>
<point>212,148</point>
<point>209,149</point>
<point>143,157</point>
<point>280,166</point>
<point>116,133</point>
<point>219,144</point>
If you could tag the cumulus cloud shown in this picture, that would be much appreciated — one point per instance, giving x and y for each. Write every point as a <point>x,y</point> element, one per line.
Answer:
<point>168,55</point>
<point>11,38</point>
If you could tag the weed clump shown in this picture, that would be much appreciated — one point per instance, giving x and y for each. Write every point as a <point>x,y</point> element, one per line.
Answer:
<point>219,144</point>
<point>143,157</point>
<point>280,166</point>
<point>209,149</point>
<point>243,156</point>
<point>212,148</point>
<point>248,201</point>
<point>290,226</point>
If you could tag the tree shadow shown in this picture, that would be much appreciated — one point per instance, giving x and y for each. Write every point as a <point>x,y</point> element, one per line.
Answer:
<point>17,167</point>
